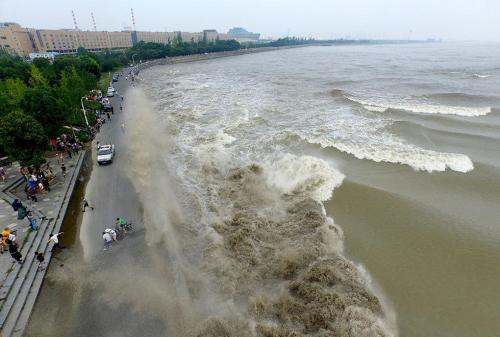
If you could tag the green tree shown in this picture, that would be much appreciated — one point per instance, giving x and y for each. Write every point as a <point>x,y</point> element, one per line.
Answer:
<point>11,94</point>
<point>37,79</point>
<point>47,69</point>
<point>22,138</point>
<point>13,67</point>
<point>71,88</point>
<point>42,104</point>
<point>88,64</point>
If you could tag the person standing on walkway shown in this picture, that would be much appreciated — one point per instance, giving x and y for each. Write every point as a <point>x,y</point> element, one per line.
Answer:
<point>54,238</point>
<point>41,258</point>
<point>86,204</point>
<point>63,170</point>
<point>32,221</point>
<point>7,234</point>
<point>68,150</point>
<point>2,173</point>
<point>16,255</point>
<point>45,182</point>
<point>108,239</point>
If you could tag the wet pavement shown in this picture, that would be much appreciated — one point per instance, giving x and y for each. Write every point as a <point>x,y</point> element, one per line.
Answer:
<point>92,292</point>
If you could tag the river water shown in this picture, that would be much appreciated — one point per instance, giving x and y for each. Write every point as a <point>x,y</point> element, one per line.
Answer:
<point>319,191</point>
<point>399,142</point>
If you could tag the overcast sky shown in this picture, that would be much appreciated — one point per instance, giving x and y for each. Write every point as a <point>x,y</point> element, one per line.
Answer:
<point>449,19</point>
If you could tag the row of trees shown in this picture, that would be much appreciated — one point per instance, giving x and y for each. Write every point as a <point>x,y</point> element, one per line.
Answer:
<point>38,99</point>
<point>177,47</point>
<point>286,41</point>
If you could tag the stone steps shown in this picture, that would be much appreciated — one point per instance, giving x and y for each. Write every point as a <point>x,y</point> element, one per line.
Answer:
<point>21,287</point>
<point>21,282</point>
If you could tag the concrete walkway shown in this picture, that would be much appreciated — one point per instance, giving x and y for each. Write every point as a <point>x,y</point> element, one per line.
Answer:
<point>20,283</point>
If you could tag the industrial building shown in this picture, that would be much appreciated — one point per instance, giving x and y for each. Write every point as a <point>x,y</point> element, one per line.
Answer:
<point>25,41</point>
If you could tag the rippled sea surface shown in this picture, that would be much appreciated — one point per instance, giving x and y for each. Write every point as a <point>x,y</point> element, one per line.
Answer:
<point>401,143</point>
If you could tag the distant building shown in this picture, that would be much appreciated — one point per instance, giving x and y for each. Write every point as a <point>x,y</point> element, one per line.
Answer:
<point>16,39</point>
<point>68,41</point>
<point>242,35</point>
<point>210,35</point>
<point>23,41</point>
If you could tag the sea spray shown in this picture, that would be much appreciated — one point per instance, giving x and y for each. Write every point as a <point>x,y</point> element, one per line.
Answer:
<point>290,271</point>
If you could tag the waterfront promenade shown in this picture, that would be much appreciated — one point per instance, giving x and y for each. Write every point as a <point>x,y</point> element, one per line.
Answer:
<point>20,283</point>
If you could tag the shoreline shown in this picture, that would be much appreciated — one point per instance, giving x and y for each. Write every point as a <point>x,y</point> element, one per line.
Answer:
<point>203,57</point>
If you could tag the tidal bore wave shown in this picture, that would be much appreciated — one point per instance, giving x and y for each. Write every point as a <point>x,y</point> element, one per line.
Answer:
<point>423,105</point>
<point>424,108</point>
<point>264,258</point>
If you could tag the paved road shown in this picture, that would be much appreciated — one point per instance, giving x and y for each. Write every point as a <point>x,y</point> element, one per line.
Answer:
<point>119,292</point>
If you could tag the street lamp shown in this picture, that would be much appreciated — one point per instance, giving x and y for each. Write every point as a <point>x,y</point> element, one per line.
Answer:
<point>133,62</point>
<point>85,112</point>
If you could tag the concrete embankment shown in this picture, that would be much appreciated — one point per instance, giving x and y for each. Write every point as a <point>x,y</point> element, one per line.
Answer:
<point>22,283</point>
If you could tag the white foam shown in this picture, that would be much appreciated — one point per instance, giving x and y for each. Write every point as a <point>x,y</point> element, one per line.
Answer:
<point>393,150</point>
<point>481,76</point>
<point>423,108</point>
<point>224,138</point>
<point>308,175</point>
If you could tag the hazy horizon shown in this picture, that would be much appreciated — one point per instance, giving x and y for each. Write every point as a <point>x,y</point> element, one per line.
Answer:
<point>391,19</point>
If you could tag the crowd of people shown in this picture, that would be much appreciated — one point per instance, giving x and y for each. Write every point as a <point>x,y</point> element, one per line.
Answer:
<point>37,180</point>
<point>9,240</point>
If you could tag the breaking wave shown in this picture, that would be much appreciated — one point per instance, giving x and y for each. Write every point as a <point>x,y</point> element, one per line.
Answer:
<point>392,150</point>
<point>378,106</point>
<point>304,175</point>
<point>481,75</point>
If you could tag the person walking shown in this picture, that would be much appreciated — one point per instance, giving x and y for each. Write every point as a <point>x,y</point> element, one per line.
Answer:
<point>32,221</point>
<point>54,238</point>
<point>16,255</point>
<point>108,239</point>
<point>85,205</point>
<point>40,258</point>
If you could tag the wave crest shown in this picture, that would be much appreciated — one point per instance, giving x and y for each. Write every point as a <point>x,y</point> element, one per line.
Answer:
<point>393,151</point>
<point>422,108</point>
<point>305,175</point>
